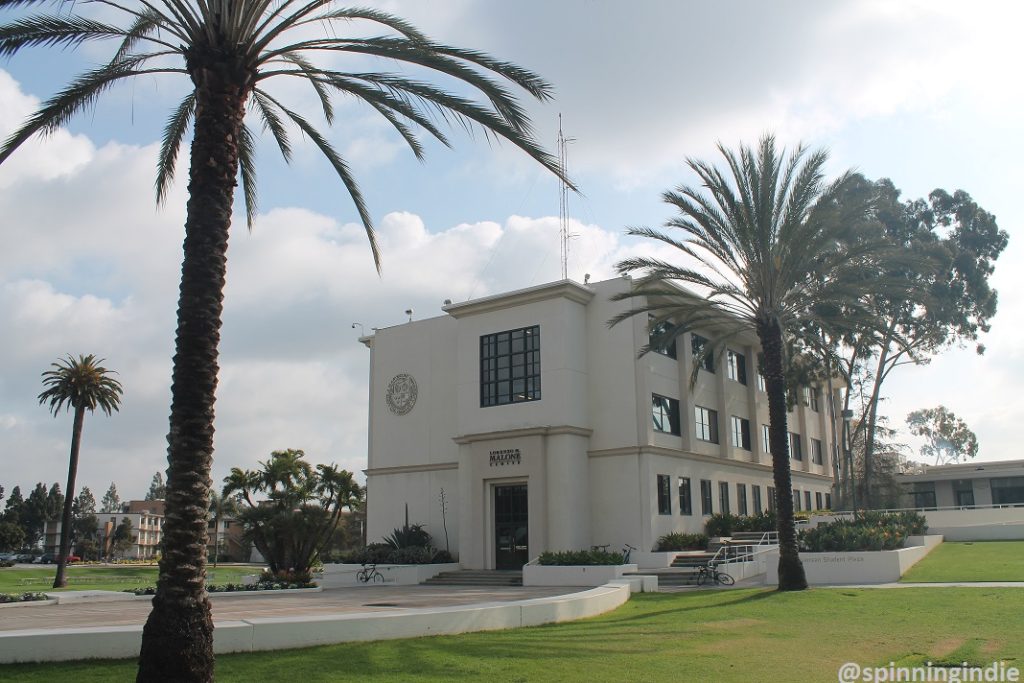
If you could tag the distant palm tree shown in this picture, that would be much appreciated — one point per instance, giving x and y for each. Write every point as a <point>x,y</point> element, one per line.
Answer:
<point>81,384</point>
<point>230,49</point>
<point>768,247</point>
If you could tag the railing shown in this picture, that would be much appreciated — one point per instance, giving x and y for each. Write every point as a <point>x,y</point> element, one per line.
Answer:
<point>934,508</point>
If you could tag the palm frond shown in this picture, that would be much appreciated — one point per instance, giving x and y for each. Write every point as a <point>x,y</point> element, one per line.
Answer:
<point>247,169</point>
<point>53,31</point>
<point>171,144</point>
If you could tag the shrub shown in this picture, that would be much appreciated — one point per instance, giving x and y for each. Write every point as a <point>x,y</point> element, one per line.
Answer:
<point>408,536</point>
<point>679,541</point>
<point>867,531</point>
<point>580,557</point>
<point>22,597</point>
<point>6,563</point>
<point>442,557</point>
<point>381,553</point>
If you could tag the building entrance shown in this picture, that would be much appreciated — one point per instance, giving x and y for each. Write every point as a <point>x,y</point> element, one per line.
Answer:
<point>511,525</point>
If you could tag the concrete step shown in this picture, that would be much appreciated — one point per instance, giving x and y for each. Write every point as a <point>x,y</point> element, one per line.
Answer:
<point>473,577</point>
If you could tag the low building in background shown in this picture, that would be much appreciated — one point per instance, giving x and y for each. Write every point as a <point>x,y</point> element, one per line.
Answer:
<point>966,485</point>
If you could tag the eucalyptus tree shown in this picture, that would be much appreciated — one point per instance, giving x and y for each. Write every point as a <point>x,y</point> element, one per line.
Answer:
<point>80,384</point>
<point>764,243</point>
<point>230,50</point>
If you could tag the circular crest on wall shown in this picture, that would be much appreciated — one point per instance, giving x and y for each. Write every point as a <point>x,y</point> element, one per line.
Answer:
<point>401,394</point>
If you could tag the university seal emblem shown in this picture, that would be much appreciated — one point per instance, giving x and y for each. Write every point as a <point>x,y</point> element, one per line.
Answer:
<point>401,395</point>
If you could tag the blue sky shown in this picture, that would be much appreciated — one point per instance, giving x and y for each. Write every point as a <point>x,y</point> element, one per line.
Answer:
<point>926,93</point>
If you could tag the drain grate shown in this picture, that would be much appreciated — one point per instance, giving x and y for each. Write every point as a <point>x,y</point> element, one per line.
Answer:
<point>381,604</point>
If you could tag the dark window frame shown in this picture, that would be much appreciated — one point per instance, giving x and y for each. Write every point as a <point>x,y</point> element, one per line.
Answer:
<point>507,359</point>
<point>796,451</point>
<point>708,428</point>
<point>685,496</point>
<point>723,497</point>
<point>664,489</point>
<point>707,503</point>
<point>697,346</point>
<point>741,499</point>
<point>669,409</point>
<point>755,495</point>
<point>817,452</point>
<point>740,437</point>
<point>736,364</point>
<point>653,329</point>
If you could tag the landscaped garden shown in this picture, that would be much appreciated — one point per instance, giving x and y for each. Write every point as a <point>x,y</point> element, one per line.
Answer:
<point>737,635</point>
<point>971,561</point>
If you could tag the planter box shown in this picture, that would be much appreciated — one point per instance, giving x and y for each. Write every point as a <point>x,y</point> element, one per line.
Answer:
<point>575,575</point>
<point>658,560</point>
<point>338,575</point>
<point>869,566</point>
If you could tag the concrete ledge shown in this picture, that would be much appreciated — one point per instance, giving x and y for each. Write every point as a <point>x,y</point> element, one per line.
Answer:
<point>338,575</point>
<point>276,633</point>
<point>638,583</point>
<point>863,567</point>
<point>575,575</point>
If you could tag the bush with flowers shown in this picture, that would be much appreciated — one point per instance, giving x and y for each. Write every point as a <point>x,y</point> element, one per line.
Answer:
<point>866,531</point>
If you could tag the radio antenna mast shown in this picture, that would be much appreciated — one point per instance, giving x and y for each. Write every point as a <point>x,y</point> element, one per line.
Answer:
<point>563,200</point>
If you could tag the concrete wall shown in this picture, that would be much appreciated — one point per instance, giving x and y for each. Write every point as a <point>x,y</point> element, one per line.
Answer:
<point>986,524</point>
<point>542,575</point>
<point>839,568</point>
<point>339,575</point>
<point>53,645</point>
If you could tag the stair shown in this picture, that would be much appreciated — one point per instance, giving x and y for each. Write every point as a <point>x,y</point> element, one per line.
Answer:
<point>477,577</point>
<point>671,578</point>
<point>693,559</point>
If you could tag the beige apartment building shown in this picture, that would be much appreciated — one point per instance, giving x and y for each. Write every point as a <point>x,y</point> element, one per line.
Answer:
<point>546,431</point>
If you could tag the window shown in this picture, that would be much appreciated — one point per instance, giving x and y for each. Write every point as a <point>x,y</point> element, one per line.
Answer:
<point>664,495</point>
<point>762,385</point>
<point>796,500</point>
<point>510,367</point>
<point>685,503</point>
<point>963,493</point>
<point>655,329</point>
<point>828,501</point>
<point>741,498</point>
<point>755,494</point>
<point>795,450</point>
<point>706,507</point>
<point>923,494</point>
<point>816,456</point>
<point>697,345</point>
<point>1006,490</point>
<point>706,424</point>
<point>723,496</point>
<point>817,500</point>
<point>766,438</point>
<point>807,500</point>
<point>772,500</point>
<point>741,433</point>
<point>737,365</point>
<point>665,413</point>
<point>813,394</point>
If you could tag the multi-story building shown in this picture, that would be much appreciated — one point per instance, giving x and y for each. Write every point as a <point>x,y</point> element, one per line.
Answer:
<point>147,520</point>
<point>546,431</point>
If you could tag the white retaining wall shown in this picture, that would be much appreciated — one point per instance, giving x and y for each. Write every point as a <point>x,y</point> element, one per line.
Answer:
<point>873,566</point>
<point>344,575</point>
<point>982,524</point>
<point>576,575</point>
<point>275,633</point>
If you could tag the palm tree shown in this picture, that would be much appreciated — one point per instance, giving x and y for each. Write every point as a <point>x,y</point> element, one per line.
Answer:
<point>770,249</point>
<point>231,49</point>
<point>81,384</point>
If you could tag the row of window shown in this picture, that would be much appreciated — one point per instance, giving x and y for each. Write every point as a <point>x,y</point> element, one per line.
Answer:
<point>666,418</point>
<point>685,497</point>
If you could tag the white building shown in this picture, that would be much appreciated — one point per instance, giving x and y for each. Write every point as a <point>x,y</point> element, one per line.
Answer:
<point>546,432</point>
<point>965,485</point>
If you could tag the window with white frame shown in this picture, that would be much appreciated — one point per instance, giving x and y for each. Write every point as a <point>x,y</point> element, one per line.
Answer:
<point>706,424</point>
<point>737,367</point>
<point>740,432</point>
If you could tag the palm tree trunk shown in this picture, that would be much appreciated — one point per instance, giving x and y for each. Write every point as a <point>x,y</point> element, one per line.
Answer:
<point>61,580</point>
<point>177,641</point>
<point>791,570</point>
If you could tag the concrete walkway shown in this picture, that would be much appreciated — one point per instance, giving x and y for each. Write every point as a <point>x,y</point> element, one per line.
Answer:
<point>240,607</point>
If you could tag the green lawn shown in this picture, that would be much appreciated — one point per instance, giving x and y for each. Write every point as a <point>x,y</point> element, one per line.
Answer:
<point>740,635</point>
<point>977,561</point>
<point>115,578</point>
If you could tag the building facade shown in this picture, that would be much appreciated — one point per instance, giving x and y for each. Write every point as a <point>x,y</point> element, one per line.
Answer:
<point>545,431</point>
<point>965,485</point>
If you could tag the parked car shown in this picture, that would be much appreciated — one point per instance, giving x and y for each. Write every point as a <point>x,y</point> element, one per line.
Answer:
<point>47,558</point>
<point>8,556</point>
<point>24,557</point>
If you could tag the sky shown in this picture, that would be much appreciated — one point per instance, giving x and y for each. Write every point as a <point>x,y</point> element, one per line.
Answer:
<point>927,93</point>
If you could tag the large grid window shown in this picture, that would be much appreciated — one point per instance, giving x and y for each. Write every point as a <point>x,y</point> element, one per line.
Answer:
<point>685,501</point>
<point>510,367</point>
<point>665,414</point>
<point>816,453</point>
<point>706,424</point>
<point>741,432</point>
<point>737,367</point>
<point>723,497</point>
<point>706,507</point>
<point>697,345</point>
<point>755,494</point>
<point>654,329</point>
<point>741,498</point>
<point>796,450</point>
<point>664,495</point>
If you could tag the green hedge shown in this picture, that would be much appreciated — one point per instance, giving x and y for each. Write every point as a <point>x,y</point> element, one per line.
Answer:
<point>580,557</point>
<point>866,531</point>
<point>382,553</point>
<point>679,541</point>
<point>725,524</point>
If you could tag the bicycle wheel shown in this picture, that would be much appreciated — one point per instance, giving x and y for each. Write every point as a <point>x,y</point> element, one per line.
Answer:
<point>702,576</point>
<point>725,579</point>
<point>361,576</point>
<point>379,578</point>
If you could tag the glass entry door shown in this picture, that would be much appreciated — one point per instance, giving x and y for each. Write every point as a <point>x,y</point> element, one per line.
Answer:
<point>511,525</point>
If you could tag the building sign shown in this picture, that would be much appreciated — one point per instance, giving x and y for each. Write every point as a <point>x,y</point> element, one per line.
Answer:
<point>505,456</point>
<point>401,394</point>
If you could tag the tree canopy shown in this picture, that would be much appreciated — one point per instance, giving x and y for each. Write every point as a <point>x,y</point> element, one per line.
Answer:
<point>948,438</point>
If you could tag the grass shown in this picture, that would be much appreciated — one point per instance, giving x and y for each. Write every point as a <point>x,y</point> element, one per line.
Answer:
<point>116,578</point>
<point>738,635</point>
<point>977,561</point>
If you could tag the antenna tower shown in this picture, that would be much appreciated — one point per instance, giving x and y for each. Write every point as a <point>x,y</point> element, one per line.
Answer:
<point>563,200</point>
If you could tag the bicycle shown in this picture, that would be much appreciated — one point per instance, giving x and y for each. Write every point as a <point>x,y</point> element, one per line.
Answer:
<point>709,573</point>
<point>627,551</point>
<point>369,573</point>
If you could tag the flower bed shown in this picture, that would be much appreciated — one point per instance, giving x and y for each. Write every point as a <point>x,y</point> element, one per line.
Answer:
<point>678,541</point>
<point>580,558</point>
<point>868,531</point>
<point>6,598</point>
<point>235,587</point>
